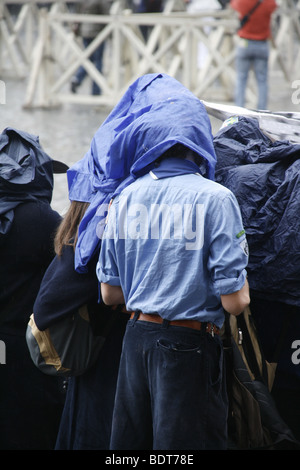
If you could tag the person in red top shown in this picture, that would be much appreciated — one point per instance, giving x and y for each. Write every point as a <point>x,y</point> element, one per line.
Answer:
<point>253,47</point>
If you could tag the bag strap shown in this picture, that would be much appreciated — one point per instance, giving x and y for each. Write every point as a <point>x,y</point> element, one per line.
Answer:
<point>249,351</point>
<point>227,330</point>
<point>245,18</point>
<point>247,342</point>
<point>247,345</point>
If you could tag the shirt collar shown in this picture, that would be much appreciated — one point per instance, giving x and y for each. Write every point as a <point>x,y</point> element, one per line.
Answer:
<point>170,167</point>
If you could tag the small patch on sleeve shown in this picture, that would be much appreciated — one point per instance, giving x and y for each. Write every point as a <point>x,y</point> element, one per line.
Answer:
<point>242,232</point>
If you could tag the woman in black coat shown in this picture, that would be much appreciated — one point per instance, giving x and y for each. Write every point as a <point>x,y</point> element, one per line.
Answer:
<point>30,402</point>
<point>87,415</point>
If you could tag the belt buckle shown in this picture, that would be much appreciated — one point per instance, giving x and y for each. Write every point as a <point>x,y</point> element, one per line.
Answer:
<point>210,329</point>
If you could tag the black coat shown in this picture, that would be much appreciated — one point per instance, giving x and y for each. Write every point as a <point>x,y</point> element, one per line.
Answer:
<point>30,402</point>
<point>87,415</point>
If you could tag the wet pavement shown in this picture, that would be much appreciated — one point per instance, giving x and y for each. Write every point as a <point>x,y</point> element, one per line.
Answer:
<point>65,133</point>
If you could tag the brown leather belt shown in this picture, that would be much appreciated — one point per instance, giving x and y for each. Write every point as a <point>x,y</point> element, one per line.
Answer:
<point>194,324</point>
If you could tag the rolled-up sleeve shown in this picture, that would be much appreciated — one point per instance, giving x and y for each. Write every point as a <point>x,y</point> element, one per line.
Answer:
<point>107,270</point>
<point>228,255</point>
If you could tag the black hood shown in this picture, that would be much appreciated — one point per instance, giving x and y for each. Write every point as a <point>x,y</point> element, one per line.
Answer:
<point>26,173</point>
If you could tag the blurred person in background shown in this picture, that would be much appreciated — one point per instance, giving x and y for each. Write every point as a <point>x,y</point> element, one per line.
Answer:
<point>253,47</point>
<point>88,32</point>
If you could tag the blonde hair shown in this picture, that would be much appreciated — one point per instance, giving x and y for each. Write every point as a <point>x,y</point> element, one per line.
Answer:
<point>67,232</point>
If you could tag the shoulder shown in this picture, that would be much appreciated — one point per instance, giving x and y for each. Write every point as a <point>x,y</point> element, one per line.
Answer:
<point>189,182</point>
<point>235,4</point>
<point>36,212</point>
<point>200,185</point>
<point>272,5</point>
<point>37,222</point>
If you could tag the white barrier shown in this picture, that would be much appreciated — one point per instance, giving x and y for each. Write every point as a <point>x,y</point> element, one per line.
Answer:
<point>171,47</point>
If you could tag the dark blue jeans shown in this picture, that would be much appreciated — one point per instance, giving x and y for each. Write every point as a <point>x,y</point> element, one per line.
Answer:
<point>252,54</point>
<point>171,392</point>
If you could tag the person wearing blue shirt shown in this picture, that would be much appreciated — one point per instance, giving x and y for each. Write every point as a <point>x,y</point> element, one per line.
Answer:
<point>174,251</point>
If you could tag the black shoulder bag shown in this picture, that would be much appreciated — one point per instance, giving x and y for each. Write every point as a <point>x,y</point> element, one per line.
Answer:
<point>253,419</point>
<point>245,18</point>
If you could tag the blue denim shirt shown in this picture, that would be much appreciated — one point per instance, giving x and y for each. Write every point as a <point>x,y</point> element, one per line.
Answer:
<point>174,245</point>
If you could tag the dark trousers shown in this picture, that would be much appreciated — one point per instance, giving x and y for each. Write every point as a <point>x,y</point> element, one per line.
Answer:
<point>171,391</point>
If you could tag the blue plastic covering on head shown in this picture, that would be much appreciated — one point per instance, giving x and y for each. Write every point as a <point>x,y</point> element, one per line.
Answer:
<point>155,113</point>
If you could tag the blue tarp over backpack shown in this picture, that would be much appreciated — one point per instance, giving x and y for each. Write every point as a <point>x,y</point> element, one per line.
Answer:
<point>264,175</point>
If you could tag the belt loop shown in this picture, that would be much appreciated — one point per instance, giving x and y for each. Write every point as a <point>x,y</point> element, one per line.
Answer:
<point>136,316</point>
<point>165,324</point>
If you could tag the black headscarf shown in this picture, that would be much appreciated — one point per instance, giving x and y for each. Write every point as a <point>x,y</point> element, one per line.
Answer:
<point>26,173</point>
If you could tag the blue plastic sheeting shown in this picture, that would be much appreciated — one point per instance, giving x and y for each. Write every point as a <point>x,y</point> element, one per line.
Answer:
<point>264,175</point>
<point>155,113</point>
